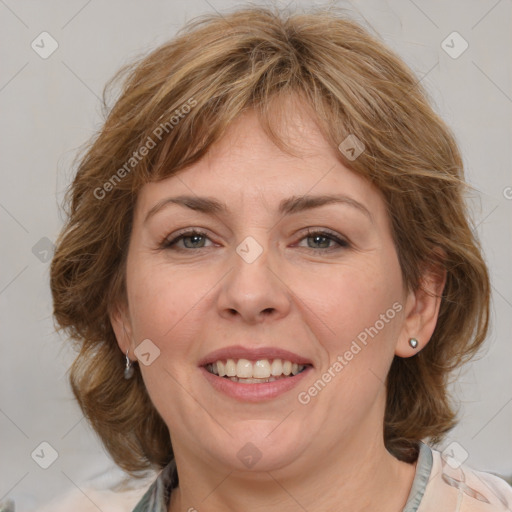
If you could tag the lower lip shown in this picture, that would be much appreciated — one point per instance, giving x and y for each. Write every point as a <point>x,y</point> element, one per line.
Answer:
<point>254,392</point>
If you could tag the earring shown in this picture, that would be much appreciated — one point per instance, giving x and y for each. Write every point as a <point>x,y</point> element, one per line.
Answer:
<point>413,342</point>
<point>128,370</point>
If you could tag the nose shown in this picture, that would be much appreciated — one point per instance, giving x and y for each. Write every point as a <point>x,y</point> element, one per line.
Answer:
<point>253,291</point>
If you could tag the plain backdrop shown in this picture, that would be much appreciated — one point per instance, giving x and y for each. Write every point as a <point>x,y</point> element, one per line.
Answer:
<point>50,107</point>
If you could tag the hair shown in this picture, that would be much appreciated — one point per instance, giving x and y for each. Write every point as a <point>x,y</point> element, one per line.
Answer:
<point>176,102</point>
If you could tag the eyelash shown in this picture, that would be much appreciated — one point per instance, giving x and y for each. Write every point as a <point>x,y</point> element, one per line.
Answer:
<point>343,244</point>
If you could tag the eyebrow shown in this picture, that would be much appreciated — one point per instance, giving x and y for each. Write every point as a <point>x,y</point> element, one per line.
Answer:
<point>294,204</point>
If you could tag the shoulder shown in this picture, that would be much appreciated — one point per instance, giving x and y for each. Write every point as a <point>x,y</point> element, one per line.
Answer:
<point>157,497</point>
<point>459,487</point>
<point>90,500</point>
<point>110,490</point>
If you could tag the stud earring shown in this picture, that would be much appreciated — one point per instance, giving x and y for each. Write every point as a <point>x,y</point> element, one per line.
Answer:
<point>413,342</point>
<point>128,370</point>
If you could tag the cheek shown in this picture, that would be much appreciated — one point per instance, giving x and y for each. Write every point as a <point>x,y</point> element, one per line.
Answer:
<point>164,304</point>
<point>351,298</point>
<point>357,318</point>
<point>165,308</point>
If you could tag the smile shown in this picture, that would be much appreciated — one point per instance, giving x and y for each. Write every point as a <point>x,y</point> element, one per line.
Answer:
<point>253,389</point>
<point>248,372</point>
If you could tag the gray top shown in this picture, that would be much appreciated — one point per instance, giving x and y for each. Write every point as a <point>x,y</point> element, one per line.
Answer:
<point>419,484</point>
<point>157,497</point>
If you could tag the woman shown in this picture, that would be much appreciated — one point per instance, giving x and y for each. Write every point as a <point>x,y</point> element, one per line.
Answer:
<point>270,273</point>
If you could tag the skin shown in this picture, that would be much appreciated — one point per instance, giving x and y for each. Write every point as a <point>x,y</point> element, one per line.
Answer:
<point>307,295</point>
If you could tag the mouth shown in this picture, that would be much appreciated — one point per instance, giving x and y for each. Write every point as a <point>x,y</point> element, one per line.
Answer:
<point>260,371</point>
<point>254,374</point>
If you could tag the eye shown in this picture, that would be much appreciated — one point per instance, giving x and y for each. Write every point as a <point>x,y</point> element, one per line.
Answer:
<point>196,239</point>
<point>323,239</point>
<point>193,239</point>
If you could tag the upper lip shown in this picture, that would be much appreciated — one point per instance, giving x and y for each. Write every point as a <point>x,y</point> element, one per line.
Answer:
<point>252,354</point>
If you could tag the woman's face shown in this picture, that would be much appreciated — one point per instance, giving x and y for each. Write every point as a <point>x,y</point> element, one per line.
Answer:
<point>255,281</point>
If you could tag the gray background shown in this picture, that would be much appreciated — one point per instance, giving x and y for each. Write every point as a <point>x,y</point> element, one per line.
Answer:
<point>50,107</point>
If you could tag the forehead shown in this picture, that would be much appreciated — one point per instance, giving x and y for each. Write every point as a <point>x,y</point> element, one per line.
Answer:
<point>246,167</point>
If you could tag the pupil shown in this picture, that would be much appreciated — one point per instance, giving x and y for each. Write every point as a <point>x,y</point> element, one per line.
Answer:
<point>316,239</point>
<point>194,238</point>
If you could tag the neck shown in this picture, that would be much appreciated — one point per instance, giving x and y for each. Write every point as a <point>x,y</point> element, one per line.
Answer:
<point>360,478</point>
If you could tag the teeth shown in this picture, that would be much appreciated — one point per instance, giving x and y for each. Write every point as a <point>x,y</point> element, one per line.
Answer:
<point>277,367</point>
<point>230,368</point>
<point>244,369</point>
<point>262,370</point>
<point>254,381</point>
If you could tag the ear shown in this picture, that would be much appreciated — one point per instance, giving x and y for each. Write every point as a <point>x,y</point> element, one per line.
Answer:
<point>421,311</point>
<point>121,325</point>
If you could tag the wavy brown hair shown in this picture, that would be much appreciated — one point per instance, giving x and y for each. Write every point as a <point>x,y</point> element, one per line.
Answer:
<point>176,102</point>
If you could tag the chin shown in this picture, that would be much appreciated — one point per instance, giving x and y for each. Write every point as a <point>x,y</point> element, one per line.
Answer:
<point>259,451</point>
